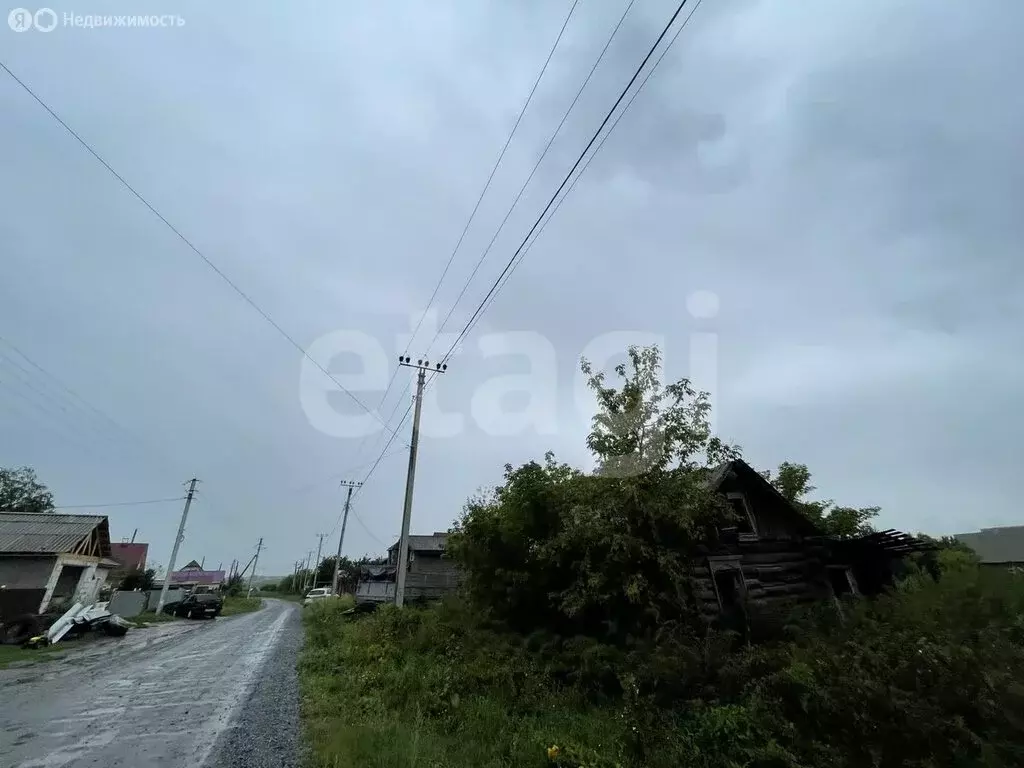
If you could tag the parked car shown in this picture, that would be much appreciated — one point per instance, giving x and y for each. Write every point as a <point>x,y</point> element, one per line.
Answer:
<point>196,606</point>
<point>315,595</point>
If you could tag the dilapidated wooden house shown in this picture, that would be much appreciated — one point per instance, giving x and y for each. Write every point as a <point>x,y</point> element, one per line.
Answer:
<point>770,555</point>
<point>773,554</point>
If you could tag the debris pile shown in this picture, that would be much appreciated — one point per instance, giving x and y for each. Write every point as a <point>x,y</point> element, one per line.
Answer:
<point>79,620</point>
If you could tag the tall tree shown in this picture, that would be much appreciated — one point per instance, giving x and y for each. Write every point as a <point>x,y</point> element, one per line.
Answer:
<point>794,482</point>
<point>644,425</point>
<point>21,491</point>
<point>604,553</point>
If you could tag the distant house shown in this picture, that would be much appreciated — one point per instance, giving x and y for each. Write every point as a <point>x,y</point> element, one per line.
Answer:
<point>193,575</point>
<point>130,557</point>
<point>50,561</point>
<point>997,546</point>
<point>430,574</point>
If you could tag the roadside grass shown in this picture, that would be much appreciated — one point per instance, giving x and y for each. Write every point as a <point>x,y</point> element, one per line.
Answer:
<point>236,605</point>
<point>396,689</point>
<point>151,617</point>
<point>291,597</point>
<point>9,654</point>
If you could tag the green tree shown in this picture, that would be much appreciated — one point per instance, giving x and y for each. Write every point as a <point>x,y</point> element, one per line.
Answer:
<point>643,426</point>
<point>21,491</point>
<point>348,573</point>
<point>137,579</point>
<point>794,482</point>
<point>607,553</point>
<point>235,585</point>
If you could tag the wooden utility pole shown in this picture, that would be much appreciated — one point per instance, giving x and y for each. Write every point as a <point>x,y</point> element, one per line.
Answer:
<point>421,366</point>
<point>177,543</point>
<point>341,539</point>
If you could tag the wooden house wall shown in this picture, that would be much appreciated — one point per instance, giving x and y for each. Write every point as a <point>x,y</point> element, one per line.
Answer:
<point>775,572</point>
<point>431,576</point>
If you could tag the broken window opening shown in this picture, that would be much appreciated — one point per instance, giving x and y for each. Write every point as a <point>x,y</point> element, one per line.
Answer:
<point>727,585</point>
<point>743,518</point>
<point>842,581</point>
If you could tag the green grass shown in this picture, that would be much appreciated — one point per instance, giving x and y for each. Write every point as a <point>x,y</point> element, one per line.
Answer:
<point>10,654</point>
<point>291,597</point>
<point>236,605</point>
<point>151,617</point>
<point>398,689</point>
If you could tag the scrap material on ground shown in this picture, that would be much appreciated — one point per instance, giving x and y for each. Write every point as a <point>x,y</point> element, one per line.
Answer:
<point>183,694</point>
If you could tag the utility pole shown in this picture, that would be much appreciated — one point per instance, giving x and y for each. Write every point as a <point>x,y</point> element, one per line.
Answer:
<point>421,366</point>
<point>177,542</point>
<point>344,520</point>
<point>255,560</point>
<point>319,548</point>
<point>305,575</point>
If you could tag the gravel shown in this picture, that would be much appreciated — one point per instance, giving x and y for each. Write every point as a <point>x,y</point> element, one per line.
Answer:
<point>266,732</point>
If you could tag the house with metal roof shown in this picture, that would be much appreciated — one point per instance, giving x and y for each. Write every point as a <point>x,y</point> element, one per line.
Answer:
<point>50,560</point>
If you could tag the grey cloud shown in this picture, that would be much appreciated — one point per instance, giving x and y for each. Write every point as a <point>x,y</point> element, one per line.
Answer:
<point>843,178</point>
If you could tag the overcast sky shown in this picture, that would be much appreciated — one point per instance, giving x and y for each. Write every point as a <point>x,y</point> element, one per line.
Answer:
<point>827,193</point>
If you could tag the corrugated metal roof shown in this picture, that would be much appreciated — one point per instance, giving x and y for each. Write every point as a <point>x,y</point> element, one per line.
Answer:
<point>434,543</point>
<point>44,533</point>
<point>996,545</point>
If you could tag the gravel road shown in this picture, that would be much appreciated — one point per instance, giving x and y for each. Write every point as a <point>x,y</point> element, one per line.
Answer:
<point>188,694</point>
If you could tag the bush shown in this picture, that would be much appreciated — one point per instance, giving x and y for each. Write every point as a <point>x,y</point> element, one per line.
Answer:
<point>576,643</point>
<point>926,676</point>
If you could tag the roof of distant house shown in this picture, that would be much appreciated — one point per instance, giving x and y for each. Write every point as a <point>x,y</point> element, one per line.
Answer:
<point>195,576</point>
<point>433,543</point>
<point>45,533</point>
<point>131,556</point>
<point>996,545</point>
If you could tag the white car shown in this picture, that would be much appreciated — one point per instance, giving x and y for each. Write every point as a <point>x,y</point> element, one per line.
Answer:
<point>315,595</point>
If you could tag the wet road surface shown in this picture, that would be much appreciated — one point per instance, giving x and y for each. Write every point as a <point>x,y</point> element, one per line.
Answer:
<point>188,694</point>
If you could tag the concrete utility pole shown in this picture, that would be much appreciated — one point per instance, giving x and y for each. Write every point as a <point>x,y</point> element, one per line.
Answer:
<point>319,548</point>
<point>306,572</point>
<point>344,520</point>
<point>421,366</point>
<point>255,560</point>
<point>177,543</point>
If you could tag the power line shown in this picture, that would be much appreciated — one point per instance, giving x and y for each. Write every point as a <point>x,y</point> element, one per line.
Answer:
<point>119,503</point>
<point>515,202</point>
<point>480,198</point>
<point>541,222</point>
<point>102,414</point>
<point>533,172</point>
<point>569,175</point>
<point>597,149</point>
<point>57,404</point>
<point>370,533</point>
<point>217,270</point>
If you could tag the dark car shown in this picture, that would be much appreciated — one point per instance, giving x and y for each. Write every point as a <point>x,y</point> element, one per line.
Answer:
<point>204,606</point>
